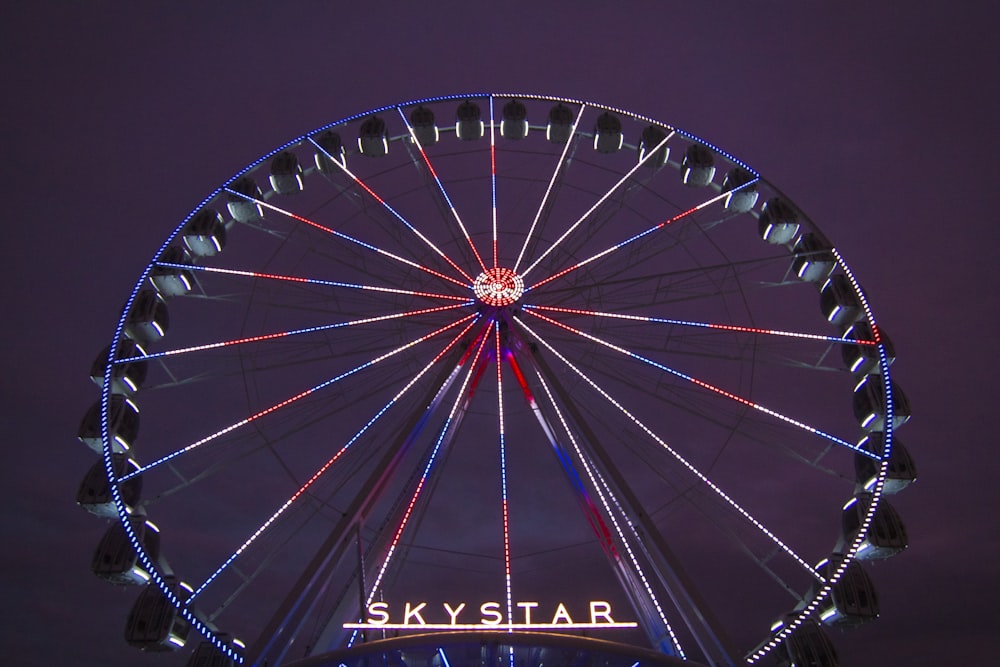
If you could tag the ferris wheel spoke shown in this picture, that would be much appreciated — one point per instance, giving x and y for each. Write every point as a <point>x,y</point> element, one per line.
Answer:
<point>636,237</point>
<point>292,332</point>
<point>614,188</point>
<point>292,399</point>
<point>639,581</point>
<point>493,180</point>
<point>346,237</point>
<point>307,281</point>
<point>445,435</point>
<point>440,185</point>
<point>705,385</point>
<point>676,455</point>
<point>503,479</point>
<point>333,459</point>
<point>699,325</point>
<point>548,189</point>
<point>364,186</point>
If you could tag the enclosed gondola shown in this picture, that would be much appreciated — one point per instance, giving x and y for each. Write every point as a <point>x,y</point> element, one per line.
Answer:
<point>778,222</point>
<point>885,537</point>
<point>839,302</point>
<point>372,138</point>
<point>608,137</point>
<point>853,600</point>
<point>126,376</point>
<point>423,126</point>
<point>243,198</point>
<point>560,126</point>
<point>147,320</point>
<point>205,234</point>
<point>863,357</point>
<point>652,147</point>
<point>698,166</point>
<point>123,425</point>
<point>94,493</point>
<point>739,184</point>
<point>116,560</point>
<point>171,281</point>
<point>870,404</point>
<point>814,260</point>
<point>154,624</point>
<point>286,174</point>
<point>469,121</point>
<point>329,152</point>
<point>514,124</point>
<point>900,472</point>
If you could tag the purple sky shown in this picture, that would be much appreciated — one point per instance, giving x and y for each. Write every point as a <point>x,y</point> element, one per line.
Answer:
<point>878,122</point>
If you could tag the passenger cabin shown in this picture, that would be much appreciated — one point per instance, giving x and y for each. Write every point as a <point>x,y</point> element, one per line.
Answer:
<point>205,234</point>
<point>559,129</point>
<point>652,137</point>
<point>171,281</point>
<point>241,208</point>
<point>853,600</point>
<point>741,196</point>
<point>698,166</point>
<point>469,122</point>
<point>900,472</point>
<point>94,494</point>
<point>123,425</point>
<point>814,260</point>
<point>373,140</point>
<point>864,359</point>
<point>116,560</point>
<point>126,378</point>
<point>330,152</point>
<point>608,137</point>
<point>807,646</point>
<point>207,655</point>
<point>424,129</point>
<point>286,174</point>
<point>839,302</point>
<point>514,124</point>
<point>886,535</point>
<point>154,624</point>
<point>778,222</point>
<point>147,320</point>
<point>870,404</point>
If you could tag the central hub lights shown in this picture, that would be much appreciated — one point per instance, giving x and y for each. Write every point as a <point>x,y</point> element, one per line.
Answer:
<point>498,287</point>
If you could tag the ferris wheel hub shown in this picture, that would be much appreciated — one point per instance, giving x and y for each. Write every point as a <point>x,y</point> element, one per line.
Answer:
<point>498,287</point>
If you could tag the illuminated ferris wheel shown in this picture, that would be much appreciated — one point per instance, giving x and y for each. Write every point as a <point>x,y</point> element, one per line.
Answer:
<point>496,378</point>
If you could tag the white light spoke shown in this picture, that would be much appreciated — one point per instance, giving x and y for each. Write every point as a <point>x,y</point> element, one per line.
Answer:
<point>611,191</point>
<point>680,459</point>
<point>548,189</point>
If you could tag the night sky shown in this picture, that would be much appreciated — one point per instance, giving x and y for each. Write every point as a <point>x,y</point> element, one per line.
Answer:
<point>878,121</point>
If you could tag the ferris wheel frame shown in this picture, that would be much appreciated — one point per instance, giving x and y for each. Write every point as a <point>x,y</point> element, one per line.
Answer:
<point>503,294</point>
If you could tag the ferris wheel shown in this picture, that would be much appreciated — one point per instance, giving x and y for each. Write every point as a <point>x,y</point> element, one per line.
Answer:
<point>496,364</point>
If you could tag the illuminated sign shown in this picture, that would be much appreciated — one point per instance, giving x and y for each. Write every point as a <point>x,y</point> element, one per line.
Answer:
<point>459,617</point>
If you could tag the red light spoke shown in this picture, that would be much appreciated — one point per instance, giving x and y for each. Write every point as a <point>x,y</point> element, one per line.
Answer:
<point>617,246</point>
<point>288,401</point>
<point>349,238</point>
<point>703,325</point>
<point>444,193</point>
<point>294,332</point>
<point>326,466</point>
<point>308,281</point>
<point>701,383</point>
<point>393,211</point>
<point>680,459</point>
<point>444,432</point>
<point>503,480</point>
